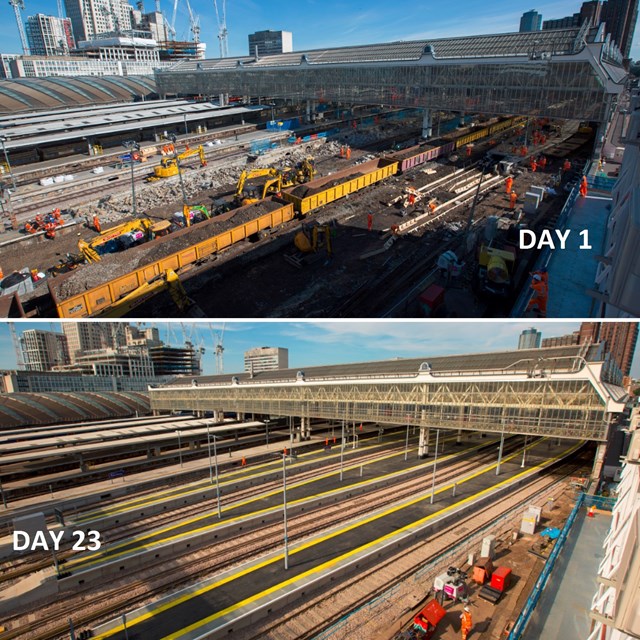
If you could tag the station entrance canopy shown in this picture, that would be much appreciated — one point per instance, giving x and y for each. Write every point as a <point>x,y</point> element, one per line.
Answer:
<point>559,392</point>
<point>568,74</point>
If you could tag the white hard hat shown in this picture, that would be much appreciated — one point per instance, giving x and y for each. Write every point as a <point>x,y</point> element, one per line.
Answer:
<point>466,608</point>
<point>537,277</point>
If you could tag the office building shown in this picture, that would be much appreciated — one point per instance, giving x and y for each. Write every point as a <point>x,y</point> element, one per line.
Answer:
<point>530,21</point>
<point>268,43</point>
<point>529,339</point>
<point>618,339</point>
<point>176,361</point>
<point>589,11</point>
<point>43,350</point>
<point>49,35</point>
<point>266,359</point>
<point>90,18</point>
<point>620,17</point>
<point>89,336</point>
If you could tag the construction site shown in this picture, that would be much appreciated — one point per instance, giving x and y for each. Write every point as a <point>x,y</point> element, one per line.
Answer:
<point>370,253</point>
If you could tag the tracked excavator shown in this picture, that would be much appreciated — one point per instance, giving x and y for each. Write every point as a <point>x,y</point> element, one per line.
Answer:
<point>257,184</point>
<point>169,166</point>
<point>122,237</point>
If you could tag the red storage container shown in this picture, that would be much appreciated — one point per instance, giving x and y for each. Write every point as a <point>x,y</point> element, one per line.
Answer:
<point>501,578</point>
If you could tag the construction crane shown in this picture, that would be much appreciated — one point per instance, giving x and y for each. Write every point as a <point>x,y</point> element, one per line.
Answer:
<point>17,5</point>
<point>16,346</point>
<point>218,347</point>
<point>194,21</point>
<point>223,34</point>
<point>60,11</point>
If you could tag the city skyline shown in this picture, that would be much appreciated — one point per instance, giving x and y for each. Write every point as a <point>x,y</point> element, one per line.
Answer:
<point>317,26</point>
<point>322,343</point>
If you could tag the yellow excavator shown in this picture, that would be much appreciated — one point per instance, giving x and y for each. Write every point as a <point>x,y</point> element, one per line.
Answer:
<point>169,166</point>
<point>309,241</point>
<point>123,236</point>
<point>170,281</point>
<point>258,184</point>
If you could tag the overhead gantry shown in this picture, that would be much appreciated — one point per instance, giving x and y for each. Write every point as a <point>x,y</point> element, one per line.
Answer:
<point>559,392</point>
<point>569,73</point>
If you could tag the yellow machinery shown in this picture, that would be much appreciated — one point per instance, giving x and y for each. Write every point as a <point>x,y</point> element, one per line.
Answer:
<point>495,269</point>
<point>168,280</point>
<point>122,237</point>
<point>310,241</point>
<point>169,166</point>
<point>258,184</point>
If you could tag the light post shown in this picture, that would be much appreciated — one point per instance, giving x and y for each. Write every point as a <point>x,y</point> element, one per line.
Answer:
<point>435,462</point>
<point>175,157</point>
<point>266,424</point>
<point>4,498</point>
<point>500,450</point>
<point>524,451</point>
<point>215,457</point>
<point>179,447</point>
<point>406,444</point>
<point>284,509</point>
<point>3,139</point>
<point>133,147</point>
<point>341,451</point>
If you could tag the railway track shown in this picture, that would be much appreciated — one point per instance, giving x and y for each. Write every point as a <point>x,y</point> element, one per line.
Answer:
<point>320,615</point>
<point>118,533</point>
<point>53,621</point>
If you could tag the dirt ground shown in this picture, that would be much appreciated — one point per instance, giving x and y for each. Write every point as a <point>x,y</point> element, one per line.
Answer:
<point>258,278</point>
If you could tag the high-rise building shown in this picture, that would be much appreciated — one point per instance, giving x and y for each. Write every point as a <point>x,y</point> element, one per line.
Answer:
<point>531,21</point>
<point>176,361</point>
<point>266,359</point>
<point>529,339</point>
<point>620,17</point>
<point>589,11</point>
<point>88,336</point>
<point>43,350</point>
<point>268,43</point>
<point>619,339</point>
<point>90,18</point>
<point>49,35</point>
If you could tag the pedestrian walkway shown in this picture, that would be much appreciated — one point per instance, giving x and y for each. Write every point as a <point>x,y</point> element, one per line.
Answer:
<point>563,609</point>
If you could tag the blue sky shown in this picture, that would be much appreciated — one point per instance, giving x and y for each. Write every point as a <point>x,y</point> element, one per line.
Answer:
<point>317,343</point>
<point>330,23</point>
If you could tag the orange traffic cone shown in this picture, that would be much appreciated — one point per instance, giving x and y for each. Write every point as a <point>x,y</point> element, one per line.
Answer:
<point>592,512</point>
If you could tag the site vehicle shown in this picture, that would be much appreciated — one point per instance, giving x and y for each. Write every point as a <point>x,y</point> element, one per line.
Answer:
<point>258,184</point>
<point>122,237</point>
<point>497,258</point>
<point>190,215</point>
<point>168,167</point>
<point>167,281</point>
<point>309,240</point>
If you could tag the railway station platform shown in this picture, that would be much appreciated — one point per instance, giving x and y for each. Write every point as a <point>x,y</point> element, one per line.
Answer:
<point>222,604</point>
<point>563,609</point>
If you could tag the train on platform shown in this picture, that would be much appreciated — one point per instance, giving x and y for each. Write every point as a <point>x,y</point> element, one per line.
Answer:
<point>253,220</point>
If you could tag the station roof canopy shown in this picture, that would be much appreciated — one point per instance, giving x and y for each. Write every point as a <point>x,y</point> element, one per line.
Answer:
<point>516,361</point>
<point>26,409</point>
<point>31,129</point>
<point>556,42</point>
<point>28,94</point>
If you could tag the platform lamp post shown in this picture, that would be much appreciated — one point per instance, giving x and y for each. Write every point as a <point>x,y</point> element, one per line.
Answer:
<point>435,463</point>
<point>341,451</point>
<point>266,424</point>
<point>500,449</point>
<point>215,457</point>
<point>524,452</point>
<point>284,510</point>
<point>4,498</point>
<point>175,157</point>
<point>179,446</point>
<point>3,139</point>
<point>133,147</point>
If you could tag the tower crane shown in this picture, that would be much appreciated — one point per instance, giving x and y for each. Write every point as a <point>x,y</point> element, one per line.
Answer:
<point>194,21</point>
<point>17,5</point>
<point>218,337</point>
<point>223,34</point>
<point>16,346</point>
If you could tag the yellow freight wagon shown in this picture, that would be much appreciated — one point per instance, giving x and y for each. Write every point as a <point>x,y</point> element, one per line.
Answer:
<point>311,195</point>
<point>101,297</point>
